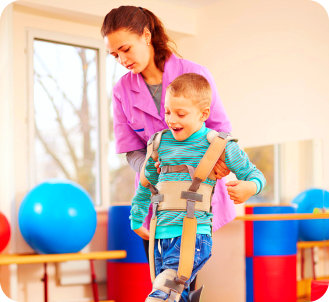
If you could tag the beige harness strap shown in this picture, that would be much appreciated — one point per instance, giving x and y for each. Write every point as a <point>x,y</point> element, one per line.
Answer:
<point>151,151</point>
<point>187,251</point>
<point>153,225</point>
<point>144,181</point>
<point>210,158</point>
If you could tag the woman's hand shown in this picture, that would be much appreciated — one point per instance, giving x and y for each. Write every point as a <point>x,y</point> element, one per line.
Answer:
<point>157,165</point>
<point>240,190</point>
<point>143,232</point>
<point>221,169</point>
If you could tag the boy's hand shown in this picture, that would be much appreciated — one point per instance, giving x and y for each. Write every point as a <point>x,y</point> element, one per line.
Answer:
<point>143,232</point>
<point>221,169</point>
<point>240,190</point>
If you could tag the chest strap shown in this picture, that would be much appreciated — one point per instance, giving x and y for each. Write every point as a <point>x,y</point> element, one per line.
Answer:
<point>178,169</point>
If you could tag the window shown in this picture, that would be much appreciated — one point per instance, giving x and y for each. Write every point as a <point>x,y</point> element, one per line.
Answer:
<point>65,126</point>
<point>289,169</point>
<point>65,113</point>
<point>265,159</point>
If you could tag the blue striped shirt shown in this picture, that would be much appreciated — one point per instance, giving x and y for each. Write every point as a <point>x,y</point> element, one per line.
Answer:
<point>188,152</point>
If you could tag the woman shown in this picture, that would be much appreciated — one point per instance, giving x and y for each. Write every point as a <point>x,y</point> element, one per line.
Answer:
<point>137,39</point>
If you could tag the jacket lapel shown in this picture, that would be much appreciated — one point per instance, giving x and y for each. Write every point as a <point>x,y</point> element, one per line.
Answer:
<point>143,100</point>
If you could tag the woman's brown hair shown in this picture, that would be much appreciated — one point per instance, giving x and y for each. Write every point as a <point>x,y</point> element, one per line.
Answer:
<point>135,19</point>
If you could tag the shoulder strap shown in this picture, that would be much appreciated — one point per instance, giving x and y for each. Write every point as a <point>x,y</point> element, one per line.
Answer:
<point>209,159</point>
<point>151,151</point>
<point>156,143</point>
<point>227,136</point>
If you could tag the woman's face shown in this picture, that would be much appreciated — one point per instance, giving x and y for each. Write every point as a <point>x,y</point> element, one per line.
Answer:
<point>131,50</point>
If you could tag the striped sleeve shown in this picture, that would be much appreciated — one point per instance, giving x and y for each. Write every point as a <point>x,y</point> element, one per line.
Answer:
<point>142,199</point>
<point>238,163</point>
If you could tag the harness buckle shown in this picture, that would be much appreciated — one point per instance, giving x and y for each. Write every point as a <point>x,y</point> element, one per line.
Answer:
<point>191,199</point>
<point>191,196</point>
<point>156,199</point>
<point>223,135</point>
<point>190,208</point>
<point>181,280</point>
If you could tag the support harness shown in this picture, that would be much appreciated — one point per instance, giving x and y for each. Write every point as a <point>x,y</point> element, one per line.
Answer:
<point>189,196</point>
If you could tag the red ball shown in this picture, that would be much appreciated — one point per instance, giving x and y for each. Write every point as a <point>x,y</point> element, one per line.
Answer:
<point>4,232</point>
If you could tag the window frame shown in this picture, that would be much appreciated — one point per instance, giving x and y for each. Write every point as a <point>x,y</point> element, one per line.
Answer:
<point>276,171</point>
<point>102,178</point>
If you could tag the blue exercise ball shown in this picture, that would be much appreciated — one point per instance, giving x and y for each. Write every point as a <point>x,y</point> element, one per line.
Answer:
<point>313,201</point>
<point>57,216</point>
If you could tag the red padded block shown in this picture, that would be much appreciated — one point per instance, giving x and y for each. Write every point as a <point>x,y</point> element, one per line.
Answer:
<point>275,279</point>
<point>128,281</point>
<point>318,289</point>
<point>249,233</point>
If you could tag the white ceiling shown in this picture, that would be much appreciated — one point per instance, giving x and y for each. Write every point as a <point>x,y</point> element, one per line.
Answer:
<point>191,3</point>
<point>169,11</point>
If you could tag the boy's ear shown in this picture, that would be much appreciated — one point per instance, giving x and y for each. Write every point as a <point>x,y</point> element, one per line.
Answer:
<point>205,113</point>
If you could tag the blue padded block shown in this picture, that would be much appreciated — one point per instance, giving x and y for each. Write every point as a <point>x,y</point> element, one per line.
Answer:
<point>121,237</point>
<point>249,279</point>
<point>275,238</point>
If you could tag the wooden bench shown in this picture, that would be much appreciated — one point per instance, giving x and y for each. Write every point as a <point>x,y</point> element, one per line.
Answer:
<point>53,258</point>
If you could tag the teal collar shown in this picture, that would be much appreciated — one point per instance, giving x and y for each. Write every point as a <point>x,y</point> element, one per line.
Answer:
<point>202,131</point>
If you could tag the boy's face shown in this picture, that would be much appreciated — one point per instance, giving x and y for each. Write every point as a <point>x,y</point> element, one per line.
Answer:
<point>183,116</point>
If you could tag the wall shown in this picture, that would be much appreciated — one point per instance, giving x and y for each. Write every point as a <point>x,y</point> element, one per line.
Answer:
<point>270,60</point>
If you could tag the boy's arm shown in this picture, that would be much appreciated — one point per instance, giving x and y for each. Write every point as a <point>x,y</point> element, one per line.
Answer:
<point>251,180</point>
<point>142,199</point>
<point>241,190</point>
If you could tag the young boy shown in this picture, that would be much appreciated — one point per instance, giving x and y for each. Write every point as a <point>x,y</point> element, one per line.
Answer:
<point>187,107</point>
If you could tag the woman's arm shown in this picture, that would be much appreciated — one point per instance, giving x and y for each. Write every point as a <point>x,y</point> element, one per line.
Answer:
<point>136,159</point>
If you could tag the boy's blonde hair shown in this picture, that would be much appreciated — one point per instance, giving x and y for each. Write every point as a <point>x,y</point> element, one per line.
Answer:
<point>192,86</point>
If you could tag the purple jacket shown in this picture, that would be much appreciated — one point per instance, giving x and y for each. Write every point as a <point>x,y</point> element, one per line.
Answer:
<point>136,118</point>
